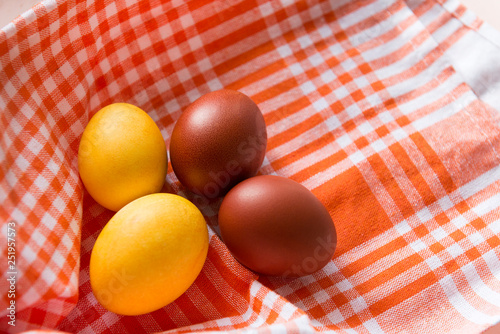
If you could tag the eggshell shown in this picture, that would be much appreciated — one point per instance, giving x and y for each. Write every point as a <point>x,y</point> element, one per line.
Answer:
<point>276,226</point>
<point>122,156</point>
<point>148,254</point>
<point>219,140</point>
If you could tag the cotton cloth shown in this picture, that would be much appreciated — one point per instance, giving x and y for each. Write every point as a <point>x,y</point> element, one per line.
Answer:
<point>387,110</point>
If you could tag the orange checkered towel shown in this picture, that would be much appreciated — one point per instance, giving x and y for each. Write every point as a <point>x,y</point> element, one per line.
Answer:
<point>387,110</point>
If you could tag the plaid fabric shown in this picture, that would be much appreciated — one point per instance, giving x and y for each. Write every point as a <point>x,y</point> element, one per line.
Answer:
<point>385,109</point>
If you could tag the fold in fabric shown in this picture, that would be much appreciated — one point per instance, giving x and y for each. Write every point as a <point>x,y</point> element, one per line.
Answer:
<point>386,110</point>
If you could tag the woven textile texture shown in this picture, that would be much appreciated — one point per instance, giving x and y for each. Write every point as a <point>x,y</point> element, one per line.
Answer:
<point>385,109</point>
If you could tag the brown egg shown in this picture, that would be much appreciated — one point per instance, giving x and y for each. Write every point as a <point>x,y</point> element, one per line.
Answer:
<point>219,140</point>
<point>276,226</point>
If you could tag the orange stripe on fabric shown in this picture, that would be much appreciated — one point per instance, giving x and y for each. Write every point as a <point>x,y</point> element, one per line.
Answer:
<point>319,166</point>
<point>374,19</point>
<point>427,61</point>
<point>273,91</point>
<point>352,6</point>
<point>377,254</point>
<point>355,210</point>
<point>437,81</point>
<point>390,185</point>
<point>444,18</point>
<point>245,57</point>
<point>260,50</point>
<point>407,48</point>
<point>317,312</point>
<point>223,12</point>
<point>232,63</point>
<point>257,305</point>
<point>353,321</point>
<point>422,8</point>
<point>434,162</point>
<point>405,293</point>
<point>268,46</point>
<point>213,294</point>
<point>413,173</point>
<point>194,315</point>
<point>284,111</point>
<point>258,75</point>
<point>428,87</point>
<point>294,131</point>
<point>451,39</point>
<point>273,316</point>
<point>303,151</point>
<point>263,74</point>
<point>389,273</point>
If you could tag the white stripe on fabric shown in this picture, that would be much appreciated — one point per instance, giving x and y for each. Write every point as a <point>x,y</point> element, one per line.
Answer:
<point>407,62</point>
<point>398,42</point>
<point>364,13</point>
<point>480,183</point>
<point>486,206</point>
<point>430,15</point>
<point>443,113</point>
<point>461,305</point>
<point>419,80</point>
<point>493,263</point>
<point>477,284</point>
<point>431,96</point>
<point>466,191</point>
<point>381,28</point>
<point>446,30</point>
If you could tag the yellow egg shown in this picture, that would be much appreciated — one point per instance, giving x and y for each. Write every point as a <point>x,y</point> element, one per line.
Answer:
<point>122,156</point>
<point>148,254</point>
